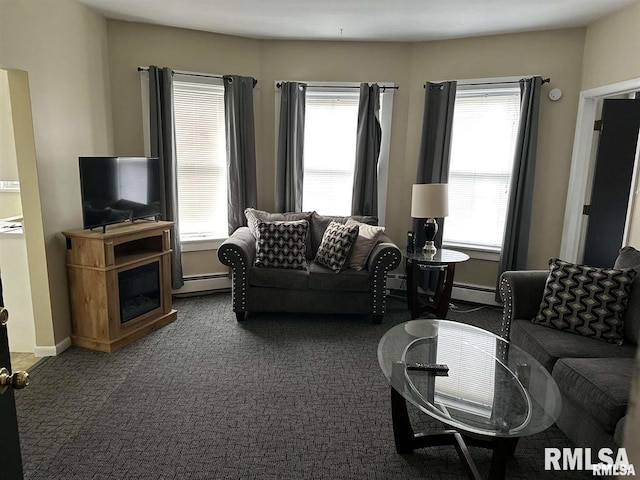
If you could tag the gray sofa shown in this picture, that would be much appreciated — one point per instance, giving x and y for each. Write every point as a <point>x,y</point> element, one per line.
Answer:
<point>316,289</point>
<point>594,377</point>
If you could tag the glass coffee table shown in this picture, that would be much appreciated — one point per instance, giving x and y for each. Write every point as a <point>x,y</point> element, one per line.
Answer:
<point>493,393</point>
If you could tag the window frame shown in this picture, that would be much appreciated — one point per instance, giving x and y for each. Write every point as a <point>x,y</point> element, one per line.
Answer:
<point>477,251</point>
<point>348,95</point>
<point>193,243</point>
<point>386,116</point>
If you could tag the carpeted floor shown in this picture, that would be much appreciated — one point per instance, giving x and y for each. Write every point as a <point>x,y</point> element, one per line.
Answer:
<point>275,397</point>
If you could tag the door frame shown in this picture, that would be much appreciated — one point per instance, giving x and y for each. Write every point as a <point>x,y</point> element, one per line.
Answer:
<point>583,164</point>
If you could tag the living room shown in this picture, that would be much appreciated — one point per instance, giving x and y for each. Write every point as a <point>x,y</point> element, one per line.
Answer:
<point>86,100</point>
<point>89,73</point>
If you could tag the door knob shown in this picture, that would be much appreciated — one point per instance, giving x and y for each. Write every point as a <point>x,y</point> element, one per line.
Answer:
<point>17,380</point>
<point>4,316</point>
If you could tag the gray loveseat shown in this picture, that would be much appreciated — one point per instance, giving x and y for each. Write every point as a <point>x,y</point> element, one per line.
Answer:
<point>316,289</point>
<point>594,377</point>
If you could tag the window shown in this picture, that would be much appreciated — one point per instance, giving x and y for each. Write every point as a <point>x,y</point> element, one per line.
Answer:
<point>485,125</point>
<point>201,158</point>
<point>331,124</point>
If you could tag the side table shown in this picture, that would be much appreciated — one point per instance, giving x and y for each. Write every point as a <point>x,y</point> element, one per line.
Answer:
<point>444,263</point>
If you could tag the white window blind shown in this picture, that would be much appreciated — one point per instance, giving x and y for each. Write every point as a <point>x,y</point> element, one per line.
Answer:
<point>485,125</point>
<point>201,158</point>
<point>331,124</point>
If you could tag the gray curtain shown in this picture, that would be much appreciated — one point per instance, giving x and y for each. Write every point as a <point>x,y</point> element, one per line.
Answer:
<point>241,148</point>
<point>289,166</point>
<point>163,146</point>
<point>433,162</point>
<point>515,243</point>
<point>365,179</point>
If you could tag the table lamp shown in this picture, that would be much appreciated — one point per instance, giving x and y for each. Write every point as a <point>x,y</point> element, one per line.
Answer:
<point>430,201</point>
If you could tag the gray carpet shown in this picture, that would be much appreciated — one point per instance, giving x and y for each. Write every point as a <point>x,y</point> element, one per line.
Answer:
<point>275,397</point>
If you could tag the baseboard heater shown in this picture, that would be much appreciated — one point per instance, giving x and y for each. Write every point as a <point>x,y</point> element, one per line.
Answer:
<point>194,284</point>
<point>474,294</point>
<point>461,291</point>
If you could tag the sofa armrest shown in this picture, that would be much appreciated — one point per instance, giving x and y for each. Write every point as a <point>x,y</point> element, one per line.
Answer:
<point>385,256</point>
<point>239,252</point>
<point>521,293</point>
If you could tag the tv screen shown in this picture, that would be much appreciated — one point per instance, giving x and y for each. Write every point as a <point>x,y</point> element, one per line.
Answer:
<point>119,189</point>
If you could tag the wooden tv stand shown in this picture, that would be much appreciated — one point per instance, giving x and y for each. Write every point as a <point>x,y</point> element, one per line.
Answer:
<point>119,283</point>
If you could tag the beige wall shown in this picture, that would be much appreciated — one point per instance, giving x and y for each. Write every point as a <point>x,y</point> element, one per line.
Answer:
<point>8,161</point>
<point>557,54</point>
<point>611,49</point>
<point>62,45</point>
<point>23,141</point>
<point>9,200</point>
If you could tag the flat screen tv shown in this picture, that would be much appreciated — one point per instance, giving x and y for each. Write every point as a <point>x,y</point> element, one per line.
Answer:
<point>119,189</point>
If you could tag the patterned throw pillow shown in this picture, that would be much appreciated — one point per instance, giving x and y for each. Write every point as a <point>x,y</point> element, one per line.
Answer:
<point>254,216</point>
<point>585,300</point>
<point>282,244</point>
<point>336,245</point>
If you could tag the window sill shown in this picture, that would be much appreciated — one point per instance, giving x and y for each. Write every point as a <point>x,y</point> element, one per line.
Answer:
<point>478,253</point>
<point>200,244</point>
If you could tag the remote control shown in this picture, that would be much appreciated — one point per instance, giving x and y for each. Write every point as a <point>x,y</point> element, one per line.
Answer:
<point>437,368</point>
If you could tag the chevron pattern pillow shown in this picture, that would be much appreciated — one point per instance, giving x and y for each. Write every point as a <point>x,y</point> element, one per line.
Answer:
<point>282,244</point>
<point>336,245</point>
<point>585,300</point>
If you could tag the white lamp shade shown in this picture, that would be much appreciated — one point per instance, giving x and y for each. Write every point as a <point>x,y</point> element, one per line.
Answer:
<point>430,200</point>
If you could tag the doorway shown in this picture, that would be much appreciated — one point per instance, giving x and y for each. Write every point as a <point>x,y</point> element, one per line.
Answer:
<point>22,252</point>
<point>583,163</point>
<point>608,210</point>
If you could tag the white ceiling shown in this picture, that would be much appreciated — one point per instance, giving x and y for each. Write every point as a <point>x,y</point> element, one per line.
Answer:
<point>381,20</point>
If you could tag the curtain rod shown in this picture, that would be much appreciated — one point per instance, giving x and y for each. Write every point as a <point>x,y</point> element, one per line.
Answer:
<point>396,87</point>
<point>191,74</point>
<point>544,80</point>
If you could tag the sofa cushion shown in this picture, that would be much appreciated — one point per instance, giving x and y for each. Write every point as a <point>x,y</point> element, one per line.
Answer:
<point>279,278</point>
<point>253,216</point>
<point>618,434</point>
<point>319,224</point>
<point>282,244</point>
<point>629,257</point>
<point>548,345</point>
<point>599,386</point>
<point>336,246</point>
<point>323,278</point>
<point>367,238</point>
<point>585,300</point>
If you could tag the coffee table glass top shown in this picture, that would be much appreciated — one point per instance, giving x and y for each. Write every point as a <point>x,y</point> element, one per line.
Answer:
<point>493,388</point>
<point>442,256</point>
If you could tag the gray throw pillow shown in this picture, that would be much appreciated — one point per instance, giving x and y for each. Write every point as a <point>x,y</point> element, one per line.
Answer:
<point>319,224</point>
<point>336,246</point>
<point>367,238</point>
<point>282,244</point>
<point>585,300</point>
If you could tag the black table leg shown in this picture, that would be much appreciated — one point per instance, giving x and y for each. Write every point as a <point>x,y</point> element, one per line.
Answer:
<point>402,430</point>
<point>407,441</point>
<point>503,450</point>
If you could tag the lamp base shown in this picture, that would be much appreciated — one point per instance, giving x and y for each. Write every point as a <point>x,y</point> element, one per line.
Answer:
<point>430,231</point>
<point>429,249</point>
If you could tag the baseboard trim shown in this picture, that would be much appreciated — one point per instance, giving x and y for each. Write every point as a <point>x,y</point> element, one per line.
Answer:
<point>204,283</point>
<point>474,294</point>
<point>52,351</point>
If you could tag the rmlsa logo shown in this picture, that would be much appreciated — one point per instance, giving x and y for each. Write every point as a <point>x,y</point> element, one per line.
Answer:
<point>607,462</point>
